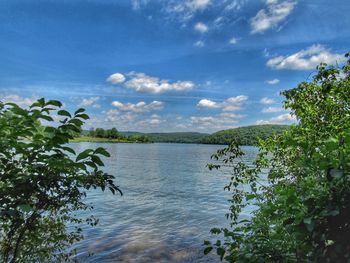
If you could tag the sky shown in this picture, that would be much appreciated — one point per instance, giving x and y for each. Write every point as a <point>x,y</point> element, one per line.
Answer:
<point>164,66</point>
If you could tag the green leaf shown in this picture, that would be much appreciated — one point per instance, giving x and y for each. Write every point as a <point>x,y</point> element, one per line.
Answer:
<point>68,149</point>
<point>54,103</point>
<point>221,252</point>
<point>207,250</point>
<point>79,111</point>
<point>83,116</point>
<point>64,113</point>
<point>46,117</point>
<point>77,122</point>
<point>102,151</point>
<point>97,160</point>
<point>83,155</point>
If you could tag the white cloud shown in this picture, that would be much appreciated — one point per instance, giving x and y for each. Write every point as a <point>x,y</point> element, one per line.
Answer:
<point>220,121</point>
<point>199,4</point>
<point>116,78</point>
<point>266,100</point>
<point>184,10</point>
<point>231,104</point>
<point>305,59</point>
<point>199,43</point>
<point>234,103</point>
<point>20,101</point>
<point>284,118</point>
<point>92,101</point>
<point>233,41</point>
<point>143,83</point>
<point>235,5</point>
<point>201,27</point>
<point>272,15</point>
<point>153,121</point>
<point>205,103</point>
<point>138,107</point>
<point>114,116</point>
<point>272,110</point>
<point>137,4</point>
<point>273,81</point>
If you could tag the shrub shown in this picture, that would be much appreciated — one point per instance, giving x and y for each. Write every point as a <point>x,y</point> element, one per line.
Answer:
<point>301,210</point>
<point>43,181</point>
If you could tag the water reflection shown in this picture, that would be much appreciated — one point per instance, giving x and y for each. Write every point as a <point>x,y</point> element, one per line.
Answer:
<point>170,203</point>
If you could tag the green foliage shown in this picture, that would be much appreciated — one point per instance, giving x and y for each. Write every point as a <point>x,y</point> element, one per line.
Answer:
<point>244,135</point>
<point>177,137</point>
<point>112,135</point>
<point>248,135</point>
<point>43,182</point>
<point>301,208</point>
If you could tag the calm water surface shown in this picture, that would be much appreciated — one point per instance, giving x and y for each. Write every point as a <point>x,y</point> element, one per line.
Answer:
<point>170,202</point>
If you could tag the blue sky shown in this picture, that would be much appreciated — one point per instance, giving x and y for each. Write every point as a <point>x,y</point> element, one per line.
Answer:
<point>184,65</point>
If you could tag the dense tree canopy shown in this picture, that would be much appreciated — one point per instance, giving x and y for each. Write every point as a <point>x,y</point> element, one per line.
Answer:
<point>299,187</point>
<point>248,135</point>
<point>43,182</point>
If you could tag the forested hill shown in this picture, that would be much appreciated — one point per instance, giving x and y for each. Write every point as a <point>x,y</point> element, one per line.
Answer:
<point>178,137</point>
<point>244,135</point>
<point>173,137</point>
<point>247,135</point>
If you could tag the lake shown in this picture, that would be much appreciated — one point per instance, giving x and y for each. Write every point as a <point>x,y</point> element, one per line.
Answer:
<point>170,202</point>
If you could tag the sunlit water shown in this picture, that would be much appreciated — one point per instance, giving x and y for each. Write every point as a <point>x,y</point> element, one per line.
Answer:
<point>170,202</point>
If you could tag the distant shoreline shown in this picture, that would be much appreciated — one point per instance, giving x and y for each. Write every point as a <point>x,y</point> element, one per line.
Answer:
<point>102,140</point>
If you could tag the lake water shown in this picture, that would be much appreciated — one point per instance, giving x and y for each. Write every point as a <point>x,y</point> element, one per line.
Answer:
<point>170,202</point>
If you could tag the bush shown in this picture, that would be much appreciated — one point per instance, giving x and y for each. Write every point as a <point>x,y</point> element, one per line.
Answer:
<point>301,211</point>
<point>43,181</point>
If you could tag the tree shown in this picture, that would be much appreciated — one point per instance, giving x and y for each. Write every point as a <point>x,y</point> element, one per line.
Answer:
<point>113,133</point>
<point>43,182</point>
<point>301,207</point>
<point>100,133</point>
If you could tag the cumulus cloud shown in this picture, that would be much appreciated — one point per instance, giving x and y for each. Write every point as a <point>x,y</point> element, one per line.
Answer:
<point>272,15</point>
<point>128,120</point>
<point>284,118</point>
<point>266,100</point>
<point>231,104</point>
<point>153,120</point>
<point>273,81</point>
<point>209,104</point>
<point>87,102</point>
<point>139,107</point>
<point>220,121</point>
<point>272,109</point>
<point>20,101</point>
<point>305,59</point>
<point>234,103</point>
<point>147,84</point>
<point>201,27</point>
<point>116,78</point>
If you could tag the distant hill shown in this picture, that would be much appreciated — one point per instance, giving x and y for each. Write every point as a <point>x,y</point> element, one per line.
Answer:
<point>247,135</point>
<point>177,137</point>
<point>244,135</point>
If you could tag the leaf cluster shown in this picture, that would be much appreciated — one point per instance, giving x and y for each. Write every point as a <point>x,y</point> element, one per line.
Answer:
<point>43,181</point>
